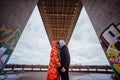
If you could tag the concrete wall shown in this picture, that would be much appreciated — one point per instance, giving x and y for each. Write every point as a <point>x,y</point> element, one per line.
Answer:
<point>15,13</point>
<point>102,13</point>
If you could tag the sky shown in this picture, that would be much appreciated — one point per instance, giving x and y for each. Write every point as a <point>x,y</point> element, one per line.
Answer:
<point>33,46</point>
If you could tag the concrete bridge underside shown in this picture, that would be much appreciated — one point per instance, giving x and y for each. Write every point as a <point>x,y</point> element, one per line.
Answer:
<point>59,17</point>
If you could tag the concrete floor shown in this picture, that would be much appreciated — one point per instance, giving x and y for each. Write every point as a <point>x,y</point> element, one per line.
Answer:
<point>42,76</point>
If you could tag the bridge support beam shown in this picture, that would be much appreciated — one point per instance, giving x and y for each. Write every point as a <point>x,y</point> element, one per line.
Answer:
<point>15,13</point>
<point>102,13</point>
<point>105,18</point>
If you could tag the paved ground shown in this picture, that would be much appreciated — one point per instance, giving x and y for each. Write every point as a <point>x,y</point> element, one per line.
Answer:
<point>42,76</point>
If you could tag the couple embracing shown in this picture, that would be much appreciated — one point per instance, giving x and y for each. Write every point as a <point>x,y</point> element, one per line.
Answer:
<point>59,61</point>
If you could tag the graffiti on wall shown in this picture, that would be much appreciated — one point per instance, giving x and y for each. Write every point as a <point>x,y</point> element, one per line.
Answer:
<point>8,40</point>
<point>111,39</point>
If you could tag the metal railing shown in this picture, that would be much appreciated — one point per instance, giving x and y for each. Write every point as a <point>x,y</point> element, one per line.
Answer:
<point>43,68</point>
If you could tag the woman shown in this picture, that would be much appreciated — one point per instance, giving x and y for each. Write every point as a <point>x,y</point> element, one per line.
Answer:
<point>52,73</point>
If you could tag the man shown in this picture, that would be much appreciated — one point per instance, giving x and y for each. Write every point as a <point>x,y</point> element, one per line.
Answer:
<point>64,60</point>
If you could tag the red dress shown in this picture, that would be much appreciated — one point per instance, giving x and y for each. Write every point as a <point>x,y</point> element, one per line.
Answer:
<point>52,73</point>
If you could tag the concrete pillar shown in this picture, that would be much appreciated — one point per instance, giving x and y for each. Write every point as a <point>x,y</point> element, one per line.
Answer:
<point>102,13</point>
<point>15,13</point>
<point>105,18</point>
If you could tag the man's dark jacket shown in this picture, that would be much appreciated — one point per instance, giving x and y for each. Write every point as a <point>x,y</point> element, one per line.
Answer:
<point>65,57</point>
